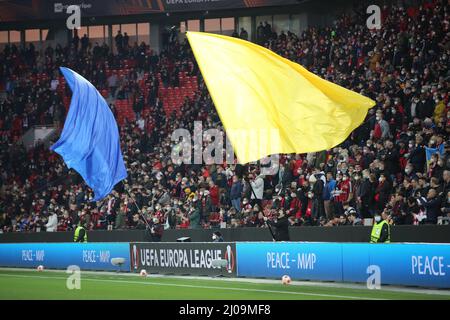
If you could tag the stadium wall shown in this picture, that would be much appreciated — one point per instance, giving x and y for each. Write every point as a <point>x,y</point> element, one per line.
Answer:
<point>425,233</point>
<point>406,264</point>
<point>87,256</point>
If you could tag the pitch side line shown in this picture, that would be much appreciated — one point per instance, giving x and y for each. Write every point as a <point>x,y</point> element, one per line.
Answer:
<point>338,285</point>
<point>200,287</point>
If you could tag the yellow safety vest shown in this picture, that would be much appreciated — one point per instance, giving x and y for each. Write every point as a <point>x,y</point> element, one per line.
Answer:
<point>376,232</point>
<point>77,234</point>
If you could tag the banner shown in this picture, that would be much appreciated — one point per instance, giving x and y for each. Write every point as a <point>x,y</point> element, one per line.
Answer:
<point>197,5</point>
<point>88,256</point>
<point>302,261</point>
<point>183,258</point>
<point>399,264</point>
<point>414,264</point>
<point>430,151</point>
<point>406,264</point>
<point>18,10</point>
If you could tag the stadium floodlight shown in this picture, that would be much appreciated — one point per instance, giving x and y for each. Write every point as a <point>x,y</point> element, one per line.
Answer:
<point>118,262</point>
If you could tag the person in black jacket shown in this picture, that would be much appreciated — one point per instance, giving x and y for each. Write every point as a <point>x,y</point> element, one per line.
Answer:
<point>433,206</point>
<point>156,230</point>
<point>412,209</point>
<point>390,157</point>
<point>382,192</point>
<point>280,227</point>
<point>365,195</point>
<point>217,237</point>
<point>318,208</point>
<point>417,156</point>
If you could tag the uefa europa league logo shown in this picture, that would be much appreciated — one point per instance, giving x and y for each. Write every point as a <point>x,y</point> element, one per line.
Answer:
<point>230,259</point>
<point>135,257</point>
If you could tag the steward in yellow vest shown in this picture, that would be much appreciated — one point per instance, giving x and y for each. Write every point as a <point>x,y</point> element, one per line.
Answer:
<point>80,234</point>
<point>381,231</point>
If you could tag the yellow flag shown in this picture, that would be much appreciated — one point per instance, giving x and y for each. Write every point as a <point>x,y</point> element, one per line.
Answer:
<point>270,105</point>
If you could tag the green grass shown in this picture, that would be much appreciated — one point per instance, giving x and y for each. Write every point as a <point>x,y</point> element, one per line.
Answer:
<point>51,285</point>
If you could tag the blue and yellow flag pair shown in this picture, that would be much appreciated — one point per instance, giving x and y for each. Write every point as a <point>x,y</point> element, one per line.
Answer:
<point>267,104</point>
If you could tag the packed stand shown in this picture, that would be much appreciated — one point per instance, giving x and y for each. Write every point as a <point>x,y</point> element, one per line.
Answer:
<point>381,167</point>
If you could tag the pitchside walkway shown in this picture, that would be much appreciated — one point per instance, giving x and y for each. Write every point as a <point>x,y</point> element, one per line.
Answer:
<point>389,288</point>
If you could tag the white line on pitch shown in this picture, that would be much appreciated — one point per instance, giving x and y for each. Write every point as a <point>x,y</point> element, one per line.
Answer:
<point>201,287</point>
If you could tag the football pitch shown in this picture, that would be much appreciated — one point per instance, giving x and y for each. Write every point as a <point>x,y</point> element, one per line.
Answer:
<point>51,285</point>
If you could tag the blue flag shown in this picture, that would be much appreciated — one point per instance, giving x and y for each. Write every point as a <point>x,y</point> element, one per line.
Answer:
<point>89,142</point>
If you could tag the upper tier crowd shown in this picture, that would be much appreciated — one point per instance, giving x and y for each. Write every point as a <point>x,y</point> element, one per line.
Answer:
<point>381,167</point>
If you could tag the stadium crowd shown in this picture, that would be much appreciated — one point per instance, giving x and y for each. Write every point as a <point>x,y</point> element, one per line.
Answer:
<point>382,167</point>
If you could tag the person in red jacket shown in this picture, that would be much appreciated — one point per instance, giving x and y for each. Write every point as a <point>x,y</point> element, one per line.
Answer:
<point>343,192</point>
<point>295,206</point>
<point>214,194</point>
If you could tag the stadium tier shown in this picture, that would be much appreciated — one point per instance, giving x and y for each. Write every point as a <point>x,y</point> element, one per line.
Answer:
<point>148,148</point>
<point>395,162</point>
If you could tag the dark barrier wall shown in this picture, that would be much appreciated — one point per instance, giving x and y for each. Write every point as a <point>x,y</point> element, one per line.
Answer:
<point>95,236</point>
<point>431,233</point>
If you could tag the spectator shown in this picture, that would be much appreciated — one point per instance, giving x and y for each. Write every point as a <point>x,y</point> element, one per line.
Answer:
<point>243,34</point>
<point>365,195</point>
<point>217,236</point>
<point>381,129</point>
<point>119,41</point>
<point>318,209</point>
<point>5,223</point>
<point>194,218</point>
<point>257,189</point>
<point>409,88</point>
<point>382,192</point>
<point>417,155</point>
<point>432,205</point>
<point>138,106</point>
<point>156,230</point>
<point>327,195</point>
<point>125,41</point>
<point>446,206</point>
<point>215,197</point>
<point>281,227</point>
<point>52,223</point>
<point>390,158</point>
<point>412,210</point>
<point>236,193</point>
<point>84,42</point>
<point>260,33</point>
<point>352,218</point>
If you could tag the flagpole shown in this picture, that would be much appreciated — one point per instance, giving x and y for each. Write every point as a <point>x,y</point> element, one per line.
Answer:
<point>134,201</point>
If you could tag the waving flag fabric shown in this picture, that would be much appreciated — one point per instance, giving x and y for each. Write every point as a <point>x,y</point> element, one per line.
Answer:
<point>271,105</point>
<point>89,142</point>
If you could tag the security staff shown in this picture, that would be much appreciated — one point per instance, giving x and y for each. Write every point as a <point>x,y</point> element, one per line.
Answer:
<point>80,233</point>
<point>381,230</point>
